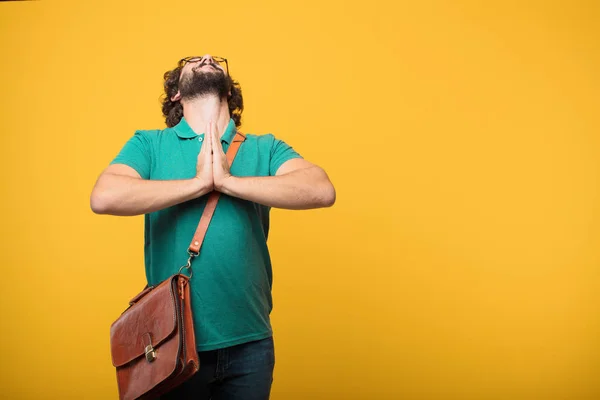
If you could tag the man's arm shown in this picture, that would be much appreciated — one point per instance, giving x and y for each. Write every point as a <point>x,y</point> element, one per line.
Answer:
<point>297,185</point>
<point>121,191</point>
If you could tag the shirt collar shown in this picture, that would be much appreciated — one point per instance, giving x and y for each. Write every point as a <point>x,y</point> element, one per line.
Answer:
<point>184,131</point>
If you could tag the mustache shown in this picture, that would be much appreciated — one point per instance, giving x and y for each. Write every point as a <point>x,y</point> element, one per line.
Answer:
<point>203,63</point>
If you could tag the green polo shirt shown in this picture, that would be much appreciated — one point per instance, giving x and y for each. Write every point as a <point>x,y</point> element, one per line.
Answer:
<point>232,276</point>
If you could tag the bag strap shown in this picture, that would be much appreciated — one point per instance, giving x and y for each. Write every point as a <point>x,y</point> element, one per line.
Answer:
<point>211,205</point>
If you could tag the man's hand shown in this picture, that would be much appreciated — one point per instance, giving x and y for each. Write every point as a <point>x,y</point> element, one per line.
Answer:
<point>220,166</point>
<point>204,164</point>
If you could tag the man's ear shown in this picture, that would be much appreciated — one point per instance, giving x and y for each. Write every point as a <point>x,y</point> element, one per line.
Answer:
<point>177,96</point>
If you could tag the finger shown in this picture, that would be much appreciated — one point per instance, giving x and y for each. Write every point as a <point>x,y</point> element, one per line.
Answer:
<point>202,148</point>
<point>209,138</point>
<point>214,139</point>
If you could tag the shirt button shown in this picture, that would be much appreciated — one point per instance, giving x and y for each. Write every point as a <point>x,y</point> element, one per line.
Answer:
<point>200,139</point>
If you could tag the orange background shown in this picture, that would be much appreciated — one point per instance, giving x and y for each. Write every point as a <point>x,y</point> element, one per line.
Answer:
<point>461,260</point>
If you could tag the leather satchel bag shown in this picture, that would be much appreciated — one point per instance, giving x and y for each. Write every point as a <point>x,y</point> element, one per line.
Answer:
<point>152,343</point>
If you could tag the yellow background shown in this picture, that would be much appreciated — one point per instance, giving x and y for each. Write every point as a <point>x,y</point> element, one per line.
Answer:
<point>461,260</point>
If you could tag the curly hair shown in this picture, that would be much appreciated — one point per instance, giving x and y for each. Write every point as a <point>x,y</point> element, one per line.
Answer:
<point>173,110</point>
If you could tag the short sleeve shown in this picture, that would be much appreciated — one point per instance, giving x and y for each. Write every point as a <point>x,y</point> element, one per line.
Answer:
<point>280,153</point>
<point>136,153</point>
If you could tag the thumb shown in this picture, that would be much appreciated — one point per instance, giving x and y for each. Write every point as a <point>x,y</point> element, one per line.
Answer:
<point>203,146</point>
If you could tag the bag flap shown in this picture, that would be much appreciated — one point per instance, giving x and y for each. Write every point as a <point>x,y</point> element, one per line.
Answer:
<point>152,318</point>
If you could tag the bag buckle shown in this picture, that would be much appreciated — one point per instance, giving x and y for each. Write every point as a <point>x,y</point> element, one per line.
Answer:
<point>188,265</point>
<point>150,353</point>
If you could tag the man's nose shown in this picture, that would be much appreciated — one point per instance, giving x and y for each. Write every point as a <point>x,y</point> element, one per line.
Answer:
<point>207,58</point>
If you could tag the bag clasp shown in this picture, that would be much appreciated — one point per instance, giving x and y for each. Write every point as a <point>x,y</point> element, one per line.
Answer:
<point>150,353</point>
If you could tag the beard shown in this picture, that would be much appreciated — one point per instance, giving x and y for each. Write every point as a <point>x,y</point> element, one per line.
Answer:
<point>201,83</point>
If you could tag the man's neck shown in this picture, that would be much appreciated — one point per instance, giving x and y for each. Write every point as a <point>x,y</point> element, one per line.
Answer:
<point>200,111</point>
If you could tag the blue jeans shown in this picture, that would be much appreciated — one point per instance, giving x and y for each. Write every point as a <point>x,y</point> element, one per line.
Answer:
<point>240,372</point>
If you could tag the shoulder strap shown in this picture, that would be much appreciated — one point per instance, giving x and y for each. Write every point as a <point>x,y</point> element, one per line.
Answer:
<point>211,203</point>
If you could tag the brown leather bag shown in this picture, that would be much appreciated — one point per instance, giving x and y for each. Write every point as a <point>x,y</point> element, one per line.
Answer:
<point>153,343</point>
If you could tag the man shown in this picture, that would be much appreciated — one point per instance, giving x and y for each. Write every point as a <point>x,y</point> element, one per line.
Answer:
<point>167,175</point>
